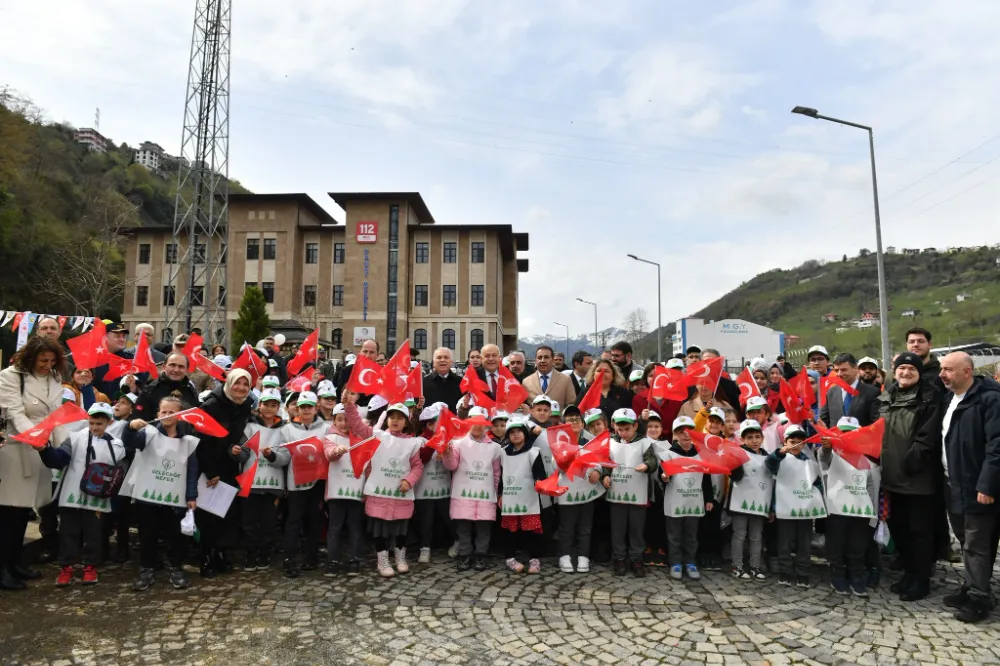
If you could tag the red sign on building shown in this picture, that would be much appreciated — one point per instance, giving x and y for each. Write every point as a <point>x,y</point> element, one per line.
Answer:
<point>367,232</point>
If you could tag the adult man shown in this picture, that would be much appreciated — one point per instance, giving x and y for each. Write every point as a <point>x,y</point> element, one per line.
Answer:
<point>158,356</point>
<point>173,378</point>
<point>868,369</point>
<point>692,355</point>
<point>918,341</point>
<point>114,340</point>
<point>324,364</point>
<point>442,385</point>
<point>489,371</point>
<point>517,364</point>
<point>971,435</point>
<point>863,406</point>
<point>819,360</point>
<point>727,385</point>
<point>274,351</point>
<point>786,368</point>
<point>621,355</point>
<point>47,327</point>
<point>559,362</point>
<point>380,358</point>
<point>582,360</point>
<point>546,381</point>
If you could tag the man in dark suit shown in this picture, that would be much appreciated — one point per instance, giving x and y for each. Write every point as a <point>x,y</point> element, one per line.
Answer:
<point>489,371</point>
<point>582,360</point>
<point>863,406</point>
<point>442,385</point>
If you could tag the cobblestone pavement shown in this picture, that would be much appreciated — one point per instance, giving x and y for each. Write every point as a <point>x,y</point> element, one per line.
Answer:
<point>436,615</point>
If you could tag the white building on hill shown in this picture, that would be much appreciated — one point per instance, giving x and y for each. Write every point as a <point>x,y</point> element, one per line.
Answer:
<point>149,155</point>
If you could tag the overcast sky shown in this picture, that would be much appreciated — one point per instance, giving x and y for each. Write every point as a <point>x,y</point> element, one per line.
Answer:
<point>657,128</point>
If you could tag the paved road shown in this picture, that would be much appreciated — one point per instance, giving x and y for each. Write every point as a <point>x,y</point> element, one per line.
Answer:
<point>436,615</point>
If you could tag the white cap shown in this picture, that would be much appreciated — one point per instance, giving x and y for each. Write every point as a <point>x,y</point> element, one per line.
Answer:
<point>675,364</point>
<point>270,381</point>
<point>279,339</point>
<point>818,349</point>
<point>377,402</point>
<point>592,415</point>
<point>755,402</point>
<point>556,409</point>
<point>131,397</point>
<point>682,422</point>
<point>718,413</point>
<point>795,430</point>
<point>868,359</point>
<point>326,389</point>
<point>339,409</point>
<point>396,407</point>
<point>516,423</point>
<point>479,411</point>
<point>505,361</point>
<point>68,395</point>
<point>783,418</point>
<point>306,398</point>
<point>540,398</point>
<point>101,408</point>
<point>635,376</point>
<point>848,423</point>
<point>349,359</point>
<point>430,412</point>
<point>223,361</point>
<point>759,364</point>
<point>270,394</point>
<point>500,414</point>
<point>749,424</point>
<point>260,346</point>
<point>624,414</point>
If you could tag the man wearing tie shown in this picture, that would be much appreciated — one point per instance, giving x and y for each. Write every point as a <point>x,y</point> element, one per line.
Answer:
<point>489,371</point>
<point>863,406</point>
<point>546,381</point>
<point>582,361</point>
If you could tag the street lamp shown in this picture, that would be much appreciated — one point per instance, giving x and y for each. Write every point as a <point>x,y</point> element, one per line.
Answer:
<point>883,297</point>
<point>596,339</point>
<point>567,336</point>
<point>659,307</point>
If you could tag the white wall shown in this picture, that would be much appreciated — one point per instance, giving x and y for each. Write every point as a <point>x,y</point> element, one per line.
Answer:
<point>734,338</point>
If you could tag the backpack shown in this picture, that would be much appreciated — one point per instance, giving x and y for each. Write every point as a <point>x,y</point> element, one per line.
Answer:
<point>100,479</point>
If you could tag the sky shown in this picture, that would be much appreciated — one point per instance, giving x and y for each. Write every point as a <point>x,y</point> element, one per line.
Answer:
<point>601,129</point>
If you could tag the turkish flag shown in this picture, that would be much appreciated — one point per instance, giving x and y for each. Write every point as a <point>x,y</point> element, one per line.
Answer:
<point>249,361</point>
<point>301,382</point>
<point>17,321</point>
<point>118,366</point>
<point>439,440</point>
<point>395,375</point>
<point>202,422</point>
<point>505,372</point>
<point>308,462</point>
<point>695,465</point>
<point>748,386</point>
<point>471,382</point>
<point>62,321</point>
<point>366,377</point>
<point>206,365</point>
<point>595,453</point>
<point>68,412</point>
<point>560,439</point>
<point>191,349</point>
<point>307,353</point>
<point>88,349</point>
<point>802,386</point>
<point>414,384</point>
<point>833,379</point>
<point>457,428</point>
<point>144,357</point>
<point>361,454</point>
<point>510,394</point>
<point>795,409</point>
<point>668,384</point>
<point>592,398</point>
<point>719,451</point>
<point>550,486</point>
<point>865,441</point>
<point>245,479</point>
<point>706,373</point>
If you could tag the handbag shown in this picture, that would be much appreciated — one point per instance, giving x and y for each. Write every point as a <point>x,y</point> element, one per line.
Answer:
<point>101,479</point>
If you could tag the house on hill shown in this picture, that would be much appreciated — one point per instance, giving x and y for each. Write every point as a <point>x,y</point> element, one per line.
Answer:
<point>910,313</point>
<point>910,251</point>
<point>961,298</point>
<point>891,249</point>
<point>830,317</point>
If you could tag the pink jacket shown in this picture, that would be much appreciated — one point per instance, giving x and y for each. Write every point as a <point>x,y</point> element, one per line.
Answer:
<point>466,509</point>
<point>384,508</point>
<point>330,448</point>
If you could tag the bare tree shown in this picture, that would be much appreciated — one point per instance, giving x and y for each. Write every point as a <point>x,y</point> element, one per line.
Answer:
<point>636,324</point>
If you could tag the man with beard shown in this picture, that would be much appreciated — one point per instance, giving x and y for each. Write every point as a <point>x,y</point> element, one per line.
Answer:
<point>621,355</point>
<point>868,370</point>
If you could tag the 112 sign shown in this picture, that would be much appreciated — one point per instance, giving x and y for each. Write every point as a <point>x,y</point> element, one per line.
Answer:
<point>367,232</point>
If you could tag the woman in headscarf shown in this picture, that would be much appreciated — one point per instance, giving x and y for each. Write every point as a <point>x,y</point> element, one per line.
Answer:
<point>218,460</point>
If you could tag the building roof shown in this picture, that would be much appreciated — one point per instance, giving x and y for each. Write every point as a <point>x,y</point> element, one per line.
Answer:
<point>413,198</point>
<point>301,198</point>
<point>510,243</point>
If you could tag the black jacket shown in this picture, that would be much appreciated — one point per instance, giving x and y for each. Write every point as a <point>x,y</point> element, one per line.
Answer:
<point>148,403</point>
<point>911,447</point>
<point>616,398</point>
<point>442,389</point>
<point>282,366</point>
<point>973,447</point>
<point>214,459</point>
<point>864,406</point>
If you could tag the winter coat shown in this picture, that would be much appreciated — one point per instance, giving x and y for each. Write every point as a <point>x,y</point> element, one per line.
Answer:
<point>911,447</point>
<point>973,447</point>
<point>617,398</point>
<point>667,409</point>
<point>446,389</point>
<point>87,395</point>
<point>467,509</point>
<point>148,404</point>
<point>214,459</point>
<point>24,481</point>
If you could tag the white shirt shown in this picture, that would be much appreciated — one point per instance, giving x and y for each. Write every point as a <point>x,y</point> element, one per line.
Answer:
<point>946,425</point>
<point>545,377</point>
<point>843,393</point>
<point>495,381</point>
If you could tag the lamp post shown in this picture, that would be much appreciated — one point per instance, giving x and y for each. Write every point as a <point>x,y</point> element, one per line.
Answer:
<point>659,307</point>
<point>597,342</point>
<point>567,336</point>
<point>883,297</point>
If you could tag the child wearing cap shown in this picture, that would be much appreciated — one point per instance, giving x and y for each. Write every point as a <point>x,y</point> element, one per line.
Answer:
<point>798,500</point>
<point>758,410</point>
<point>749,503</point>
<point>637,381</point>
<point>710,527</point>
<point>576,506</point>
<point>327,395</point>
<point>520,505</point>
<point>628,492</point>
<point>541,416</point>
<point>555,414</point>
<point>344,497</point>
<point>392,473</point>
<point>498,431</point>
<point>121,506</point>
<point>433,491</point>
<point>656,524</point>
<point>81,515</point>
<point>305,498</point>
<point>259,511</point>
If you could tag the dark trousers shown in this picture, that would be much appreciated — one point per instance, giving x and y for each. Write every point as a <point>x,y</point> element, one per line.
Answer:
<point>305,514</point>
<point>527,544</point>
<point>914,532</point>
<point>796,535</point>
<point>942,537</point>
<point>957,519</point>
<point>351,513</point>
<point>81,527</point>
<point>48,524</point>
<point>13,525</point>
<point>628,531</point>
<point>601,532</point>
<point>575,524</point>
<point>846,544</point>
<point>656,522</point>
<point>155,521</point>
<point>982,534</point>
<point>429,512</point>
<point>478,545</point>
<point>119,521</point>
<point>682,535</point>
<point>710,532</point>
<point>259,517</point>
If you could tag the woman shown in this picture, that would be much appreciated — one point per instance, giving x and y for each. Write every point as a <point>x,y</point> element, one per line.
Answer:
<point>217,350</point>
<point>83,389</point>
<point>702,398</point>
<point>475,358</point>
<point>229,405</point>
<point>666,409</point>
<point>29,391</point>
<point>614,395</point>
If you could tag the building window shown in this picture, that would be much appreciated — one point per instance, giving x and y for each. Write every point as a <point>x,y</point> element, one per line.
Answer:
<point>170,253</point>
<point>450,253</point>
<point>247,285</point>
<point>309,295</point>
<point>312,253</point>
<point>142,296</point>
<point>197,295</point>
<point>420,295</point>
<point>168,295</point>
<point>268,289</point>
<point>423,253</point>
<point>144,250</point>
<point>476,338</point>
<point>223,251</point>
<point>253,248</point>
<point>222,295</point>
<point>450,299</point>
<point>337,338</point>
<point>420,338</point>
<point>448,338</point>
<point>478,255</point>
<point>478,295</point>
<point>270,248</point>
<point>338,295</point>
<point>338,253</point>
<point>199,253</point>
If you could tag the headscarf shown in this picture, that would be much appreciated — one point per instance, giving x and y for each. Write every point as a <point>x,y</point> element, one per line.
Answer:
<point>231,380</point>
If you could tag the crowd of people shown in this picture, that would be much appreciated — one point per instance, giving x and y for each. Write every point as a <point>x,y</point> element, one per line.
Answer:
<point>502,481</point>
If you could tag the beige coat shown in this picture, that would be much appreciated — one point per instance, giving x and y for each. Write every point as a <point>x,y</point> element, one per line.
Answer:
<point>24,481</point>
<point>560,388</point>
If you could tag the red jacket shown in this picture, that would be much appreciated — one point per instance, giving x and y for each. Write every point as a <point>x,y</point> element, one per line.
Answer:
<point>668,409</point>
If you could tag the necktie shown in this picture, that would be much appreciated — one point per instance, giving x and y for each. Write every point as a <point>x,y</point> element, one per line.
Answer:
<point>493,385</point>
<point>847,403</point>
<point>545,383</point>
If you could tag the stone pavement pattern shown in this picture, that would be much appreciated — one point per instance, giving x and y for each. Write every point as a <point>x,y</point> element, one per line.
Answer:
<point>436,615</point>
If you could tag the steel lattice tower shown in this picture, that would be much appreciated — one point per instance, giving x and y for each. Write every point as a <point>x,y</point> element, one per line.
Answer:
<point>202,210</point>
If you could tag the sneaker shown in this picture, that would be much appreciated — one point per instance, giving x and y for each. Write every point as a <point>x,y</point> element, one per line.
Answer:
<point>838,581</point>
<point>144,581</point>
<point>803,582</point>
<point>353,567</point>
<point>453,550</point>
<point>65,576</point>
<point>250,562</point>
<point>534,566</point>
<point>263,562</point>
<point>566,564</point>
<point>331,569</point>
<point>737,571</point>
<point>582,564</point>
<point>675,572</point>
<point>918,589</point>
<point>818,543</point>
<point>465,564</point>
<point>785,580</point>
<point>638,570</point>
<point>973,611</point>
<point>957,599</point>
<point>425,556</point>
<point>382,564</point>
<point>90,576</point>
<point>618,567</point>
<point>858,587</point>
<point>290,567</point>
<point>178,579</point>
<point>514,565</point>
<point>713,563</point>
<point>874,577</point>
<point>479,563</point>
<point>401,565</point>
<point>756,574</point>
<point>692,572</point>
<point>660,559</point>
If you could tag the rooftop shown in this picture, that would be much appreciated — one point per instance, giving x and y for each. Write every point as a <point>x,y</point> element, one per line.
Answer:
<point>301,198</point>
<point>413,198</point>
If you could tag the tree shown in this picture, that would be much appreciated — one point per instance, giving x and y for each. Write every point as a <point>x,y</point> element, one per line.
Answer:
<point>636,323</point>
<point>252,323</point>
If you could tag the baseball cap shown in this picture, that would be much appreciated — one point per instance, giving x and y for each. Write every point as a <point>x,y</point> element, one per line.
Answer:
<point>818,349</point>
<point>556,410</point>
<point>569,410</point>
<point>326,389</point>
<point>683,422</point>
<point>223,361</point>
<point>623,415</point>
<point>500,415</point>
<point>270,394</point>
<point>693,349</point>
<point>635,376</point>
<point>749,425</point>
<point>339,409</point>
<point>101,409</point>
<point>481,412</point>
<point>128,395</point>
<point>516,423</point>
<point>377,402</point>
<point>306,398</point>
<point>397,407</point>
<point>654,416</point>
<point>869,360</point>
<point>848,423</point>
<point>68,395</point>
<point>350,358</point>
<point>592,415</point>
<point>430,412</point>
<point>755,402</point>
<point>539,399</point>
<point>795,430</point>
<point>270,381</point>
<point>718,413</point>
<point>675,364</point>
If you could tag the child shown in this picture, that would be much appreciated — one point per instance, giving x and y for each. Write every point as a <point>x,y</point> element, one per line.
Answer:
<point>165,469</point>
<point>758,410</point>
<point>686,498</point>
<point>519,504</point>
<point>732,425</point>
<point>474,462</point>
<point>498,430</point>
<point>710,526</point>
<point>433,491</point>
<point>344,498</point>
<point>637,382</point>
<point>798,499</point>
<point>555,414</point>
<point>576,506</point>
<point>628,492</point>
<point>121,505</point>
<point>750,503</point>
<point>81,516</point>
<point>541,416</point>
<point>393,472</point>
<point>327,395</point>
<point>260,510</point>
<point>656,525</point>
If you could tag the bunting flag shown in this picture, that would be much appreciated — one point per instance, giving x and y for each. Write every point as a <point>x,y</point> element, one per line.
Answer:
<point>692,465</point>
<point>7,316</point>
<point>592,398</point>
<point>245,479</point>
<point>830,380</point>
<point>38,437</point>
<point>17,320</point>
<point>668,384</point>
<point>550,486</point>
<point>202,422</point>
<point>719,451</point>
<point>89,349</point>
<point>88,322</point>
<point>62,321</point>
<point>361,454</point>
<point>308,462</point>
<point>748,386</point>
<point>308,353</point>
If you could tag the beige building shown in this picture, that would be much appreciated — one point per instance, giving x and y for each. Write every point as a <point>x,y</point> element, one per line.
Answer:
<point>389,272</point>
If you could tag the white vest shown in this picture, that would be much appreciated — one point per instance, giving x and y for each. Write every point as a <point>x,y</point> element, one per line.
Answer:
<point>293,433</point>
<point>519,495</point>
<point>795,496</point>
<point>473,479</point>
<point>627,485</point>
<point>340,481</point>
<point>390,464</point>
<point>752,494</point>
<point>268,477</point>
<point>435,482</point>
<point>847,489</point>
<point>159,471</point>
<point>69,493</point>
<point>682,494</point>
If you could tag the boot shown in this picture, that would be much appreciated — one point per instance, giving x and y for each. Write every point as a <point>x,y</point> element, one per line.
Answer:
<point>401,565</point>
<point>918,589</point>
<point>382,562</point>
<point>207,568</point>
<point>8,581</point>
